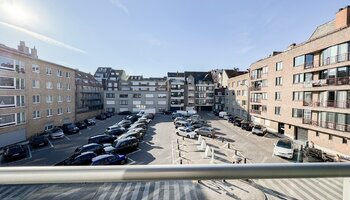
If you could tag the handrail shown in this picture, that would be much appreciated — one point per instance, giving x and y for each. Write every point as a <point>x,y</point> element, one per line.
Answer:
<point>91,174</point>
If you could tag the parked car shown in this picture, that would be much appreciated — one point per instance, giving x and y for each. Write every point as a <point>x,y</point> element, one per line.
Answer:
<point>216,112</point>
<point>167,112</point>
<point>174,115</point>
<point>56,133</point>
<point>110,149</point>
<point>205,131</point>
<point>137,134</point>
<point>222,114</point>
<point>84,158</point>
<point>39,141</point>
<point>14,152</point>
<point>182,124</point>
<point>125,113</point>
<point>126,144</point>
<point>109,159</point>
<point>101,117</point>
<point>112,113</point>
<point>284,148</point>
<point>186,132</point>
<point>179,119</point>
<point>259,130</point>
<point>100,139</point>
<point>199,125</point>
<point>138,125</point>
<point>248,126</point>
<point>96,148</point>
<point>108,114</point>
<point>114,131</point>
<point>70,128</point>
<point>238,122</point>
<point>81,125</point>
<point>124,123</point>
<point>90,122</point>
<point>143,119</point>
<point>132,118</point>
<point>148,115</point>
<point>227,116</point>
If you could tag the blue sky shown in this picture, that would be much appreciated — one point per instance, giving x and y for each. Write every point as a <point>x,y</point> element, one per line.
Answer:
<point>152,37</point>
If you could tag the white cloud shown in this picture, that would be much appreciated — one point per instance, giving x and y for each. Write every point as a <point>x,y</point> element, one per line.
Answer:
<point>120,5</point>
<point>43,37</point>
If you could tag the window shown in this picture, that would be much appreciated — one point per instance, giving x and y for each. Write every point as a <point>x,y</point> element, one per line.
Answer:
<point>277,96</point>
<point>21,118</point>
<point>279,66</point>
<point>123,102</point>
<point>20,101</point>
<point>277,110</point>
<point>36,114</point>
<point>7,120</point>
<point>264,70</point>
<point>48,85</point>
<point>297,113</point>
<point>35,68</point>
<point>7,63</point>
<point>68,98</point>
<point>68,109</point>
<point>123,95</point>
<point>110,95</point>
<point>59,98</point>
<point>278,81</point>
<point>317,134</point>
<point>149,95</point>
<point>49,112</point>
<point>345,141</point>
<point>59,86</point>
<point>49,99</point>
<point>244,102</point>
<point>68,86</point>
<point>136,96</point>
<point>161,95</point>
<point>7,101</point>
<point>264,108</point>
<point>59,73</point>
<point>48,127</point>
<point>244,92</point>
<point>149,102</point>
<point>330,137</point>
<point>20,83</point>
<point>67,74</point>
<point>298,61</point>
<point>298,78</point>
<point>59,111</point>
<point>35,84</point>
<point>238,92</point>
<point>48,71</point>
<point>7,83</point>
<point>298,96</point>
<point>36,99</point>
<point>264,96</point>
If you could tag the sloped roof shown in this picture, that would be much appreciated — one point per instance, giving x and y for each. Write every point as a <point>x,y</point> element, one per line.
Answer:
<point>200,76</point>
<point>232,73</point>
<point>176,74</point>
<point>323,29</point>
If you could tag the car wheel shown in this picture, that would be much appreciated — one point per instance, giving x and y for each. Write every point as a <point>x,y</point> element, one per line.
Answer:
<point>177,133</point>
<point>122,162</point>
<point>210,136</point>
<point>188,136</point>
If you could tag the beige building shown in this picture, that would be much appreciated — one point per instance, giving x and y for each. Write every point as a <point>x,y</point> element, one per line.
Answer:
<point>304,92</point>
<point>35,95</point>
<point>238,95</point>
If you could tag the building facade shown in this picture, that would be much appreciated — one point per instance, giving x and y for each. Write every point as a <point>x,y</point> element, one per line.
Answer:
<point>109,77</point>
<point>176,87</point>
<point>88,96</point>
<point>220,98</point>
<point>35,94</point>
<point>238,96</point>
<point>138,93</point>
<point>304,92</point>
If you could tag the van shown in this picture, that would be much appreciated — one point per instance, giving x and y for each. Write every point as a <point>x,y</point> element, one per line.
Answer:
<point>222,114</point>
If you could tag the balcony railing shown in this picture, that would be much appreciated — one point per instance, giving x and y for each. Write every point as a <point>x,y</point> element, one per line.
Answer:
<point>256,88</point>
<point>255,111</point>
<point>255,100</point>
<point>328,82</point>
<point>328,104</point>
<point>336,59</point>
<point>328,125</point>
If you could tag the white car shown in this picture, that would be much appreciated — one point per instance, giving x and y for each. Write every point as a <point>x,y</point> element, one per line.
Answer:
<point>259,130</point>
<point>284,148</point>
<point>56,133</point>
<point>186,132</point>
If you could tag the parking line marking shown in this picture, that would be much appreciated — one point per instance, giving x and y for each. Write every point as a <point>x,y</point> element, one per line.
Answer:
<point>79,133</point>
<point>89,128</point>
<point>51,144</point>
<point>30,153</point>
<point>67,137</point>
<point>132,161</point>
<point>134,151</point>
<point>249,133</point>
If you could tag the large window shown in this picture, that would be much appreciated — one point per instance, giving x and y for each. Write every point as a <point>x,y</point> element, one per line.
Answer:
<point>334,54</point>
<point>304,60</point>
<point>7,63</point>
<point>297,113</point>
<point>7,83</point>
<point>7,120</point>
<point>298,78</point>
<point>298,61</point>
<point>123,95</point>
<point>7,101</point>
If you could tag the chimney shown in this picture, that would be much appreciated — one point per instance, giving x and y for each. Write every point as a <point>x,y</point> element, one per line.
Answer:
<point>34,53</point>
<point>342,18</point>
<point>22,47</point>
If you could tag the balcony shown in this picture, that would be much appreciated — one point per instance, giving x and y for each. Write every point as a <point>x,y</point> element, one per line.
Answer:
<point>255,111</point>
<point>255,100</point>
<point>259,76</point>
<point>328,125</point>
<point>336,59</point>
<point>328,104</point>
<point>256,88</point>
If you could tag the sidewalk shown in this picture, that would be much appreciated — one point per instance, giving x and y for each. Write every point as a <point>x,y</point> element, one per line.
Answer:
<point>189,151</point>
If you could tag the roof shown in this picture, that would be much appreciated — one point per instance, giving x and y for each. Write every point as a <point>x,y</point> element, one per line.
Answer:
<point>176,74</point>
<point>232,73</point>
<point>86,78</point>
<point>323,29</point>
<point>200,76</point>
<point>141,78</point>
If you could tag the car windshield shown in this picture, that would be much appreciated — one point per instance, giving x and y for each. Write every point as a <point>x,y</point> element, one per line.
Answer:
<point>284,144</point>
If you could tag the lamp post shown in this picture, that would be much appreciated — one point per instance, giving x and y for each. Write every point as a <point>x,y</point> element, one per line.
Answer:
<point>248,103</point>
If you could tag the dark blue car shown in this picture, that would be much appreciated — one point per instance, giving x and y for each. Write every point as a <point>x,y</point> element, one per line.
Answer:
<point>109,159</point>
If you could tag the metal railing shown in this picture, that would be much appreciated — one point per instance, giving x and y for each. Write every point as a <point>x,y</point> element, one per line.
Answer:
<point>93,174</point>
<point>255,111</point>
<point>328,125</point>
<point>335,59</point>
<point>328,104</point>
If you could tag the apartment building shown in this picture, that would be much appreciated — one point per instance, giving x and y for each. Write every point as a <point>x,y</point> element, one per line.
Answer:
<point>138,93</point>
<point>35,95</point>
<point>304,92</point>
<point>109,77</point>
<point>176,86</point>
<point>89,96</point>
<point>220,98</point>
<point>238,95</point>
<point>199,91</point>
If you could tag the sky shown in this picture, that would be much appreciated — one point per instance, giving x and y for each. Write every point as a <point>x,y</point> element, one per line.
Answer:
<point>153,37</point>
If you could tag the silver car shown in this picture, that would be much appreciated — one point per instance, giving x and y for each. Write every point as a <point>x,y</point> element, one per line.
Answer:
<point>56,133</point>
<point>205,131</point>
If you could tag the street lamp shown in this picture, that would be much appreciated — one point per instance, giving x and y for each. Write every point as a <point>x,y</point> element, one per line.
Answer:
<point>248,103</point>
